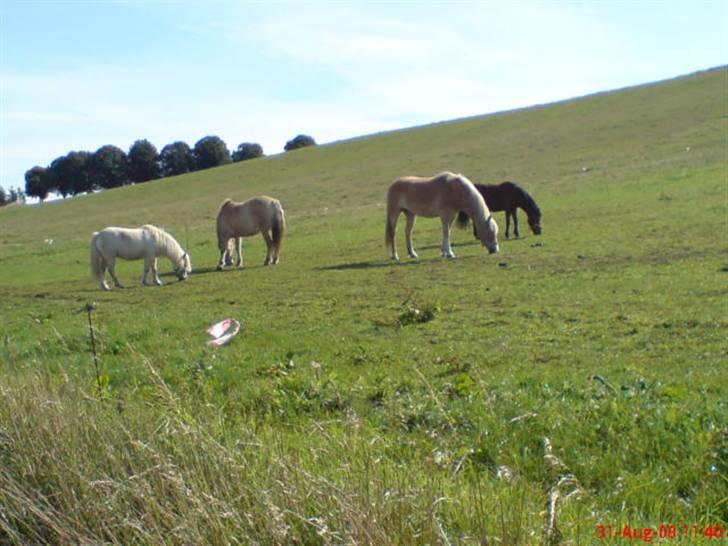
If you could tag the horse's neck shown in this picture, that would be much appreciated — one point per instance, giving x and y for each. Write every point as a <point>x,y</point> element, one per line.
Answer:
<point>169,248</point>
<point>526,202</point>
<point>477,209</point>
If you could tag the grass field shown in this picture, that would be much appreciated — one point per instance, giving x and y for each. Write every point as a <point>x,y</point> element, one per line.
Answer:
<point>574,380</point>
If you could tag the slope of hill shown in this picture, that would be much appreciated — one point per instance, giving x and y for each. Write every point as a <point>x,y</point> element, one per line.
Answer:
<point>576,379</point>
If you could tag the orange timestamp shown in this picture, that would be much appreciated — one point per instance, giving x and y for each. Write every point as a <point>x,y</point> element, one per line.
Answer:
<point>662,532</point>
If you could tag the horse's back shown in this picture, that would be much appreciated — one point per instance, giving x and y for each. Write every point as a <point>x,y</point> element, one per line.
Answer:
<point>426,196</point>
<point>127,243</point>
<point>248,217</point>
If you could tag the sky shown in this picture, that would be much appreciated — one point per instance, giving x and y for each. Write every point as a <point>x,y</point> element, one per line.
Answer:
<point>77,75</point>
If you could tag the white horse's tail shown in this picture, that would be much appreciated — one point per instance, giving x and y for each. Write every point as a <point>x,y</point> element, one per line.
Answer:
<point>97,260</point>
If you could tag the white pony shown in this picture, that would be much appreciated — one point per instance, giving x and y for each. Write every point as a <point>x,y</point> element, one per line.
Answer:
<point>148,242</point>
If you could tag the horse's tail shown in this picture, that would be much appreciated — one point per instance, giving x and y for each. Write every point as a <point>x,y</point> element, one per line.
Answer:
<point>391,221</point>
<point>462,220</point>
<point>220,222</point>
<point>278,228</point>
<point>97,260</point>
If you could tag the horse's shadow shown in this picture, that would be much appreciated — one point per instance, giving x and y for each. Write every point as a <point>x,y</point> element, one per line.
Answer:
<point>367,265</point>
<point>214,269</point>
<point>388,263</point>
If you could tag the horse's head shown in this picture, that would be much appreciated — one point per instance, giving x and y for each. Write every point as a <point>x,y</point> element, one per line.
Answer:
<point>488,234</point>
<point>535,223</point>
<point>183,268</point>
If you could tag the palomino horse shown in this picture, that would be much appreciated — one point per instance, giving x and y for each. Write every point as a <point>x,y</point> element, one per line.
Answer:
<point>148,242</point>
<point>256,215</point>
<point>444,195</point>
<point>509,196</point>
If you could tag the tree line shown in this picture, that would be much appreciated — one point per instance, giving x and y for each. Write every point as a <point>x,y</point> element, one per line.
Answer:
<point>110,167</point>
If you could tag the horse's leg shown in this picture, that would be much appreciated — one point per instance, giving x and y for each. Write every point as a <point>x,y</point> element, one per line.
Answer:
<point>274,249</point>
<point>110,263</point>
<point>508,223</point>
<point>147,267</point>
<point>391,231</point>
<point>515,222</point>
<point>446,248</point>
<point>238,242</point>
<point>269,247</point>
<point>223,244</point>
<point>155,273</point>
<point>408,233</point>
<point>104,267</point>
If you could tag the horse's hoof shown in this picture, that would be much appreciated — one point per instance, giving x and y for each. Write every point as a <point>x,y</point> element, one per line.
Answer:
<point>395,258</point>
<point>218,268</point>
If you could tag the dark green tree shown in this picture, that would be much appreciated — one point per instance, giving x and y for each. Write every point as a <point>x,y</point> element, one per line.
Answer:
<point>248,150</point>
<point>144,162</point>
<point>301,141</point>
<point>176,158</point>
<point>3,196</point>
<point>79,166</point>
<point>210,151</point>
<point>37,182</point>
<point>109,167</point>
<point>61,176</point>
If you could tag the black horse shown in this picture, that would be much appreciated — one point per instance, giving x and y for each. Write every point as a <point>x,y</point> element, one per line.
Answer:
<point>508,197</point>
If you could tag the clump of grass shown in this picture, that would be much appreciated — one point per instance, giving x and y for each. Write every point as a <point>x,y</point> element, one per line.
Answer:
<point>415,313</point>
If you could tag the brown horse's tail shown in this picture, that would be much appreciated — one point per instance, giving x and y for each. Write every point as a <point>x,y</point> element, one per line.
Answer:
<point>279,226</point>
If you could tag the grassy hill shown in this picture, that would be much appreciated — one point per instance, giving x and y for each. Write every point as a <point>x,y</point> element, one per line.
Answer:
<point>579,375</point>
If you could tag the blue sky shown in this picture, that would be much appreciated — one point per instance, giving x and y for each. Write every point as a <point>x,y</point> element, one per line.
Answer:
<point>79,75</point>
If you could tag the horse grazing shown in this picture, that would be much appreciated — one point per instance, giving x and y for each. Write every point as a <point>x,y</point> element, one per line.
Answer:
<point>148,242</point>
<point>509,196</point>
<point>443,195</point>
<point>256,215</point>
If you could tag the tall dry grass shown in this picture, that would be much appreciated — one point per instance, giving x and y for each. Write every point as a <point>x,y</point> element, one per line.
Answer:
<point>77,469</point>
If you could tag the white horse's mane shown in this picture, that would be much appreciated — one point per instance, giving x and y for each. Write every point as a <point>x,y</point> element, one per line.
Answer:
<point>167,244</point>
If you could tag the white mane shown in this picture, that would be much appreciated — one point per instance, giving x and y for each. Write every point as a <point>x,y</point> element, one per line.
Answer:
<point>167,245</point>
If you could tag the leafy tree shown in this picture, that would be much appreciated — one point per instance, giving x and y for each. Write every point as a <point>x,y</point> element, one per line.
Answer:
<point>80,169</point>
<point>248,150</point>
<point>3,196</point>
<point>61,176</point>
<point>176,158</point>
<point>210,151</point>
<point>109,167</point>
<point>37,181</point>
<point>144,162</point>
<point>301,141</point>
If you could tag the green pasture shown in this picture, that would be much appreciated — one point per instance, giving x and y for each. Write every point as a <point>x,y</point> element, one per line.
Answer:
<point>370,402</point>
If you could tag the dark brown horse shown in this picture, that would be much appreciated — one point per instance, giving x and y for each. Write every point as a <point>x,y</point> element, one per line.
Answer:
<point>509,197</point>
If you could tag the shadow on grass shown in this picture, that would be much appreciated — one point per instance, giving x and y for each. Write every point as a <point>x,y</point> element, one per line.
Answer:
<point>405,262</point>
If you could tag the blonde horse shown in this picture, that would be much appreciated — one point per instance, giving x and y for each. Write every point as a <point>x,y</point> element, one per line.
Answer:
<point>443,195</point>
<point>147,242</point>
<point>262,215</point>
